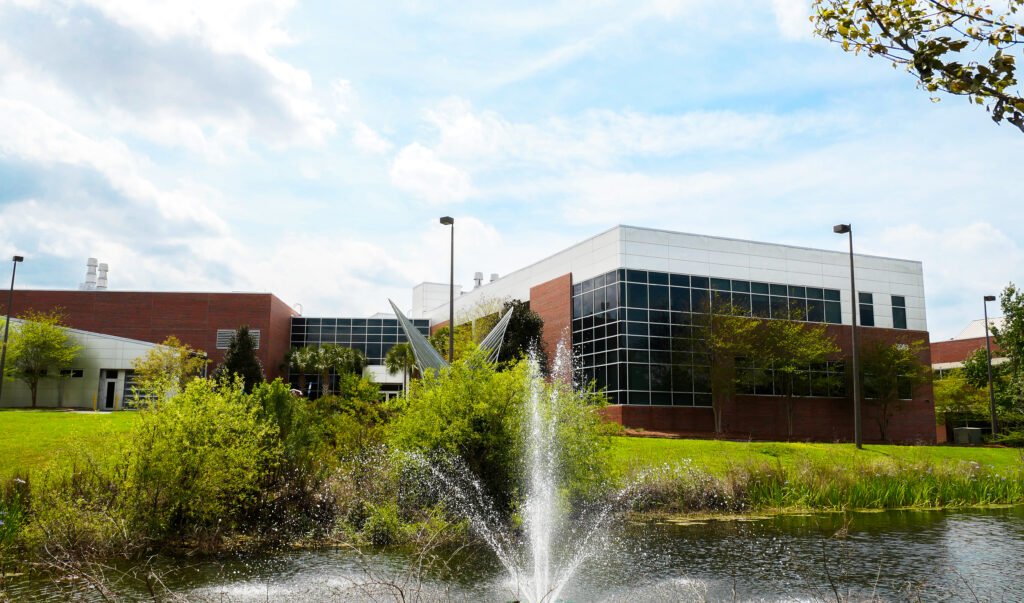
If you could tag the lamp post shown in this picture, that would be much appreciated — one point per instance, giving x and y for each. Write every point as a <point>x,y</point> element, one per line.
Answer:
<point>7,322</point>
<point>988,352</point>
<point>847,229</point>
<point>450,221</point>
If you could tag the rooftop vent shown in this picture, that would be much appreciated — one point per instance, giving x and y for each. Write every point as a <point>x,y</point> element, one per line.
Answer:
<point>478,278</point>
<point>494,276</point>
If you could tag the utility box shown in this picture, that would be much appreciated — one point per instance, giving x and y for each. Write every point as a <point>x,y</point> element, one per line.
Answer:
<point>967,435</point>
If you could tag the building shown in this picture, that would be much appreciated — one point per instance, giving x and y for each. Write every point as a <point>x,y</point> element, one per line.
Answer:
<point>950,354</point>
<point>101,377</point>
<point>626,297</point>
<point>205,321</point>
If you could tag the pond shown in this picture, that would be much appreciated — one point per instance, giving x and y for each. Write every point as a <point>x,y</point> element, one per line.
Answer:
<point>894,555</point>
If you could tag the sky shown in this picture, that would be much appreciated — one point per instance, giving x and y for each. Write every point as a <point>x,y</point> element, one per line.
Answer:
<point>309,149</point>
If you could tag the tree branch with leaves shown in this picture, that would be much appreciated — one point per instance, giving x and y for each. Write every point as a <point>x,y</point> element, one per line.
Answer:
<point>961,47</point>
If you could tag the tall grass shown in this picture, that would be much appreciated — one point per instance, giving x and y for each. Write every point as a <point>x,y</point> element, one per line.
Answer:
<point>824,486</point>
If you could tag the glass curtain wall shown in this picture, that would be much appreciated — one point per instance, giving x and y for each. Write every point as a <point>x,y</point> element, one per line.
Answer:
<point>634,332</point>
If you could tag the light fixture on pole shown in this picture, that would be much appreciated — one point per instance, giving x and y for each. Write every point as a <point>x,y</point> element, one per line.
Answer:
<point>450,221</point>
<point>847,229</point>
<point>988,353</point>
<point>7,321</point>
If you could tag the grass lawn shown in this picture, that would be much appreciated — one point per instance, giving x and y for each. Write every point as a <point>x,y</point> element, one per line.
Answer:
<point>715,456</point>
<point>34,439</point>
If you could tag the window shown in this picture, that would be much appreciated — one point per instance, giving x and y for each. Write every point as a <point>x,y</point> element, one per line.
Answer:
<point>224,336</point>
<point>72,373</point>
<point>899,312</point>
<point>866,307</point>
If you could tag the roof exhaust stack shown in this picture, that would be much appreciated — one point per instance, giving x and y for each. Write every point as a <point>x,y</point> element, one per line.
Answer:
<point>101,282</point>
<point>90,275</point>
<point>478,278</point>
<point>494,276</point>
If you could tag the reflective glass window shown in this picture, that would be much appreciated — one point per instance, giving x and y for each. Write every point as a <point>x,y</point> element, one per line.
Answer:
<point>761,288</point>
<point>680,299</point>
<point>658,297</point>
<point>636,295</point>
<point>699,282</point>
<point>832,294</point>
<point>833,312</point>
<point>721,284</point>
<point>741,286</point>
<point>679,280</point>
<point>657,278</point>
<point>636,276</point>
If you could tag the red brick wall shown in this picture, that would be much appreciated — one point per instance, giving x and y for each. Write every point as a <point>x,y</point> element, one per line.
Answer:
<point>958,350</point>
<point>194,318</point>
<point>553,302</point>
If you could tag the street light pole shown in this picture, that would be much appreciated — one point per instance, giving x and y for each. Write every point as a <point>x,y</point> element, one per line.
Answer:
<point>847,229</point>
<point>7,321</point>
<point>988,353</point>
<point>450,221</point>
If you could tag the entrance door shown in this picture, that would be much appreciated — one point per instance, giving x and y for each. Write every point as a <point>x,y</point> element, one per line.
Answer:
<point>108,397</point>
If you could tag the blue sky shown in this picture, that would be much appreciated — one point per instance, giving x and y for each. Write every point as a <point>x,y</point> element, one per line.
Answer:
<point>308,149</point>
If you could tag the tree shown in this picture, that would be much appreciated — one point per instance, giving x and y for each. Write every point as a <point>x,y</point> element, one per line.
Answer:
<point>956,394</point>
<point>1010,339</point>
<point>240,359</point>
<point>464,343</point>
<point>337,359</point>
<point>790,347</point>
<point>524,334</point>
<point>401,358</point>
<point>962,47</point>
<point>167,369</point>
<point>727,335</point>
<point>301,361</point>
<point>891,373</point>
<point>39,347</point>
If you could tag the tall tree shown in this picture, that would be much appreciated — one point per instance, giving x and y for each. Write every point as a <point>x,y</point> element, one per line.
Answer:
<point>301,361</point>
<point>524,334</point>
<point>401,358</point>
<point>790,347</point>
<point>1010,338</point>
<point>335,359</point>
<point>167,368</point>
<point>891,373</point>
<point>961,47</point>
<point>39,347</point>
<point>723,336</point>
<point>240,360</point>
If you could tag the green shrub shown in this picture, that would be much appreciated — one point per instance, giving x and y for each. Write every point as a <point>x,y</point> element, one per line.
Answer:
<point>198,461</point>
<point>382,525</point>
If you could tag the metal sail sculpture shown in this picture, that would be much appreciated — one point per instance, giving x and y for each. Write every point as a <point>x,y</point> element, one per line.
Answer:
<point>429,358</point>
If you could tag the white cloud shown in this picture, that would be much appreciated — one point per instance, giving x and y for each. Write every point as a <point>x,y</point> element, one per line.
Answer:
<point>792,18</point>
<point>418,170</point>
<point>367,139</point>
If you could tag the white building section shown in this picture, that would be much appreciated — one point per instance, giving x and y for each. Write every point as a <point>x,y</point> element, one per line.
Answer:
<point>637,248</point>
<point>101,377</point>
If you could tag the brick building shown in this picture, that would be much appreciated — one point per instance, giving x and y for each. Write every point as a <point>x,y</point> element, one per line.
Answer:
<point>627,296</point>
<point>950,354</point>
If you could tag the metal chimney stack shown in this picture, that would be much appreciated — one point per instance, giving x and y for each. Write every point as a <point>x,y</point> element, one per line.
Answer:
<point>90,275</point>
<point>494,276</point>
<point>101,282</point>
<point>478,278</point>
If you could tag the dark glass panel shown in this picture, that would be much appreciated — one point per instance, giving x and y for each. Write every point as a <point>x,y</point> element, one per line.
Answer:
<point>588,285</point>
<point>742,302</point>
<point>588,322</point>
<point>795,291</point>
<point>780,307</point>
<point>680,299</point>
<point>661,398</point>
<point>679,280</point>
<point>599,281</point>
<point>815,311</point>
<point>599,304</point>
<point>657,278</point>
<point>661,316</point>
<point>682,378</point>
<point>611,296</point>
<point>759,288</point>
<point>867,315</point>
<point>759,306</point>
<point>638,315</point>
<point>899,318</point>
<point>588,303</point>
<point>832,294</point>
<point>638,342</point>
<point>661,377</point>
<point>699,300</point>
<point>702,400</point>
<point>682,399</point>
<point>741,286</point>
<point>636,295</point>
<point>661,356</point>
<point>636,276</point>
<point>815,293</point>
<point>798,309</point>
<point>638,356</point>
<point>899,301</point>
<point>721,284</point>
<point>637,328</point>
<point>700,282</point>
<point>612,377</point>
<point>611,329</point>
<point>600,377</point>
<point>658,297</point>
<point>833,312</point>
<point>639,377</point>
<point>577,289</point>
<point>660,330</point>
<point>779,290</point>
<point>639,397</point>
<point>865,298</point>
